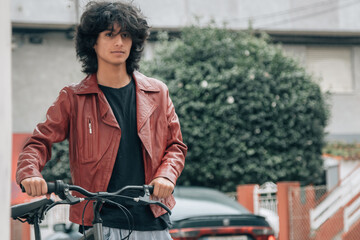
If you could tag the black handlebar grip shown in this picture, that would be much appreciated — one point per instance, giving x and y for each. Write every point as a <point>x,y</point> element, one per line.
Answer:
<point>51,187</point>
<point>151,188</point>
<point>22,188</point>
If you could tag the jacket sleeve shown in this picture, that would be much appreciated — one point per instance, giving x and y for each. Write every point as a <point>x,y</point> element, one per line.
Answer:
<point>37,149</point>
<point>173,161</point>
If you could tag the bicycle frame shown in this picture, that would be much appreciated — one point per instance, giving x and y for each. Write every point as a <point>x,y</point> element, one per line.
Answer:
<point>97,223</point>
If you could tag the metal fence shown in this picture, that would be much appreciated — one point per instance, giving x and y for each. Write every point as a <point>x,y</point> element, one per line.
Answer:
<point>267,198</point>
<point>315,214</point>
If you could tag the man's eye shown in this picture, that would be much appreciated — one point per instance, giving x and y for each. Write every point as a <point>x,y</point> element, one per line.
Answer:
<point>108,34</point>
<point>125,35</point>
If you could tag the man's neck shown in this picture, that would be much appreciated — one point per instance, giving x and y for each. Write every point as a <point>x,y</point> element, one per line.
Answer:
<point>115,77</point>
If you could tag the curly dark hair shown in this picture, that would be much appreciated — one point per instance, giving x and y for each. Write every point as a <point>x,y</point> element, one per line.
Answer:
<point>98,17</point>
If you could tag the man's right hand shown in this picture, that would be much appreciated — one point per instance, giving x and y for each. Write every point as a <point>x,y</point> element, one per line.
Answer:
<point>35,186</point>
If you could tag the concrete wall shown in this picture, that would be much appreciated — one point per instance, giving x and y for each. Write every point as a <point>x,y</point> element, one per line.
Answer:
<point>313,15</point>
<point>309,15</point>
<point>39,73</point>
<point>5,118</point>
<point>343,124</point>
<point>43,11</point>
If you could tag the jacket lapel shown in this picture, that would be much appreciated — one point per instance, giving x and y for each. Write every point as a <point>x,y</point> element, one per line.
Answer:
<point>106,113</point>
<point>146,106</point>
<point>90,86</point>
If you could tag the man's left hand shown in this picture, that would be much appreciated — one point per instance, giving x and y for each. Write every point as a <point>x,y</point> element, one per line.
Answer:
<point>163,187</point>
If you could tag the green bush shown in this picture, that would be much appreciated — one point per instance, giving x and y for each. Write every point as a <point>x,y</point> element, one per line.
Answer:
<point>248,113</point>
<point>58,167</point>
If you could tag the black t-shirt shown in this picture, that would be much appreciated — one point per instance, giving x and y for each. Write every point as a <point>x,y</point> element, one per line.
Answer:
<point>129,165</point>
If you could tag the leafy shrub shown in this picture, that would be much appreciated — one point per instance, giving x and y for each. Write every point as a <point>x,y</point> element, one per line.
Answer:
<point>58,167</point>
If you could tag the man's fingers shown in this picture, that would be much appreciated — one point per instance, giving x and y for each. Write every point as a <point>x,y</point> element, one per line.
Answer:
<point>32,190</point>
<point>162,187</point>
<point>43,188</point>
<point>161,192</point>
<point>164,191</point>
<point>35,186</point>
<point>27,189</point>
<point>156,190</point>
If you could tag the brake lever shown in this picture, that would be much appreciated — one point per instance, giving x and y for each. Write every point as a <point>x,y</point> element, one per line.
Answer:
<point>147,201</point>
<point>41,213</point>
<point>163,206</point>
<point>69,199</point>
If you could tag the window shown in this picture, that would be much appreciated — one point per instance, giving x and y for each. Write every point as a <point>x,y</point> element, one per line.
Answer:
<point>332,67</point>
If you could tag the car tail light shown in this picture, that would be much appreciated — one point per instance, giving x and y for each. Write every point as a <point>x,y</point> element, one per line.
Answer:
<point>259,233</point>
<point>180,234</point>
<point>264,233</point>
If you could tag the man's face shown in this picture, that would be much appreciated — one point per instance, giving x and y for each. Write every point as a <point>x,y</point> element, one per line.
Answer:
<point>113,46</point>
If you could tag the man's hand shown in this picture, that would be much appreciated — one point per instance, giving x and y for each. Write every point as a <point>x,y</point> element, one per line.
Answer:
<point>35,186</point>
<point>163,187</point>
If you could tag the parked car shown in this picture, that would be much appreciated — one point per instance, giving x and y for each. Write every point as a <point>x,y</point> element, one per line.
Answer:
<point>207,214</point>
<point>64,231</point>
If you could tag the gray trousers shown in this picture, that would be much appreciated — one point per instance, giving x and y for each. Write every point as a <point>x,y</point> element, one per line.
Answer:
<point>117,234</point>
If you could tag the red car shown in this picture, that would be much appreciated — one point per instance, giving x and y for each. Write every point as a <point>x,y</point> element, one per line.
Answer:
<point>207,214</point>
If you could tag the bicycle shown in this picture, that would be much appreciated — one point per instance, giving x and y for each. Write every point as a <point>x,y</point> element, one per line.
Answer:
<point>34,212</point>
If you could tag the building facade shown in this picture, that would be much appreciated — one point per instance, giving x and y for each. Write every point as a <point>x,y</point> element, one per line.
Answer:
<point>324,35</point>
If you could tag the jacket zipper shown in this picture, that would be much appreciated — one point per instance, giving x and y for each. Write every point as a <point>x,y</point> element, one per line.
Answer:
<point>90,127</point>
<point>90,138</point>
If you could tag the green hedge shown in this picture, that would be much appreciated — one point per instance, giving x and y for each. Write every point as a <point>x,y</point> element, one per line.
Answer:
<point>58,167</point>
<point>249,114</point>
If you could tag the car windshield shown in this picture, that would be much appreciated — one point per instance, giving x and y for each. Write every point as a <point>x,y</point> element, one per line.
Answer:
<point>199,201</point>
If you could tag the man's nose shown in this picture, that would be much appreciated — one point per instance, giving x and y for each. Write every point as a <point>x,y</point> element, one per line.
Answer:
<point>118,40</point>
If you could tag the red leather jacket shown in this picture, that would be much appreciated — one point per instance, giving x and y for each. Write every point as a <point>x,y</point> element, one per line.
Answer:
<point>82,114</point>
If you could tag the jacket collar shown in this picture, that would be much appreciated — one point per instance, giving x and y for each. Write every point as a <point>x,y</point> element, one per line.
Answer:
<point>90,85</point>
<point>143,83</point>
<point>145,103</point>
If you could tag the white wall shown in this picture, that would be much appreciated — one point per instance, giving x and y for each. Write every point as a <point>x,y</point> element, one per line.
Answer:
<point>343,124</point>
<point>347,167</point>
<point>43,11</point>
<point>5,118</point>
<point>283,15</point>
<point>40,71</point>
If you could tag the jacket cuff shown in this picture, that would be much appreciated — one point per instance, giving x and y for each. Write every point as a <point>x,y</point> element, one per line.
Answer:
<point>167,173</point>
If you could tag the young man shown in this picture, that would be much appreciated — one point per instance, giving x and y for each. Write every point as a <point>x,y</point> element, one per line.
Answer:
<point>121,125</point>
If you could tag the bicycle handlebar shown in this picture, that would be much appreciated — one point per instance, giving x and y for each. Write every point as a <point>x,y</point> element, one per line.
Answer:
<point>58,187</point>
<point>62,190</point>
<point>34,212</point>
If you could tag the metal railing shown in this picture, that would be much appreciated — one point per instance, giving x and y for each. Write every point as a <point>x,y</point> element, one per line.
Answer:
<point>336,199</point>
